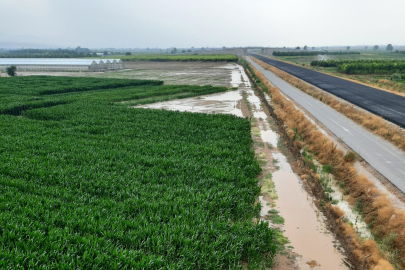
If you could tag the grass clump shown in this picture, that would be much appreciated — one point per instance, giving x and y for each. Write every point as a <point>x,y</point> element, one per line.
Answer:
<point>276,219</point>
<point>327,168</point>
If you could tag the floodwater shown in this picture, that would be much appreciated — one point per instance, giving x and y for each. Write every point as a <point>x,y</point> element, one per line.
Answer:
<point>225,103</point>
<point>304,225</point>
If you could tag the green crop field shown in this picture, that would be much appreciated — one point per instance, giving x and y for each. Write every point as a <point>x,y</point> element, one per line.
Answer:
<point>381,67</point>
<point>89,183</point>
<point>312,53</point>
<point>182,58</point>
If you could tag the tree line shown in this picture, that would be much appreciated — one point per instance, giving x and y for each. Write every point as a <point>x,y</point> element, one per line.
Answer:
<point>381,67</point>
<point>311,53</point>
<point>44,53</point>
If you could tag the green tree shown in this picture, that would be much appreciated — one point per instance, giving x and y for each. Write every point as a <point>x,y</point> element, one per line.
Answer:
<point>389,48</point>
<point>305,47</point>
<point>174,51</point>
<point>11,71</point>
<point>348,48</point>
<point>105,53</point>
<point>298,48</point>
<point>128,53</point>
<point>375,48</point>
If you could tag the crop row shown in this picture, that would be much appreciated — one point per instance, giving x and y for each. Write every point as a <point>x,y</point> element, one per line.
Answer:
<point>93,185</point>
<point>311,53</point>
<point>50,85</point>
<point>183,58</point>
<point>383,67</point>
<point>26,94</point>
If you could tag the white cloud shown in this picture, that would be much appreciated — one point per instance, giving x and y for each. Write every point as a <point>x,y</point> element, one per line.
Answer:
<point>162,23</point>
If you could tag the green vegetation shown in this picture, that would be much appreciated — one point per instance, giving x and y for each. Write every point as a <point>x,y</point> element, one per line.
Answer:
<point>182,58</point>
<point>49,85</point>
<point>386,67</point>
<point>93,184</point>
<point>309,53</point>
<point>11,71</point>
<point>26,93</point>
<point>47,53</point>
<point>257,80</point>
<point>276,219</point>
<point>327,168</point>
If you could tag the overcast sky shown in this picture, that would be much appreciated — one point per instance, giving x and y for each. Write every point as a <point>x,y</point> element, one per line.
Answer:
<point>201,23</point>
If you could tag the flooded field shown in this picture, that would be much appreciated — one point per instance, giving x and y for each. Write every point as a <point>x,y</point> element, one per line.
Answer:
<point>215,74</point>
<point>228,103</point>
<point>311,243</point>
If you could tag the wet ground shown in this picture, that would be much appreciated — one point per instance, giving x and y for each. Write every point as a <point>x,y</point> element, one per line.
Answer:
<point>312,244</point>
<point>215,74</point>
<point>228,102</point>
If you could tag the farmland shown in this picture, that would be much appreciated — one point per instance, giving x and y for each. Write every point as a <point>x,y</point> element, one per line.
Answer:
<point>182,58</point>
<point>383,67</point>
<point>312,53</point>
<point>87,182</point>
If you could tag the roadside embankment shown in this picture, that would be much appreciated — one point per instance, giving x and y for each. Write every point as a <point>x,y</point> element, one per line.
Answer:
<point>372,122</point>
<point>385,221</point>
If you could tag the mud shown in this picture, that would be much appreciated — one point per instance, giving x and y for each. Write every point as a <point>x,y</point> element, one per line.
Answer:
<point>304,224</point>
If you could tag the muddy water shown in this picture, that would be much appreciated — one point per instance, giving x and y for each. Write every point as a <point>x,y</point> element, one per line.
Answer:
<point>304,224</point>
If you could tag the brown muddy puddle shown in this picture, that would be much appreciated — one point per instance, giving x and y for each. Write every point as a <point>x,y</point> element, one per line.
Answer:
<point>304,225</point>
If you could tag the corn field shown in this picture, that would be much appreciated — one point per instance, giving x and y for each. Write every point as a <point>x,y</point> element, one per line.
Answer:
<point>86,183</point>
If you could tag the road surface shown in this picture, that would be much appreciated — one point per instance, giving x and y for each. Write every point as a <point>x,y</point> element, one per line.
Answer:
<point>387,105</point>
<point>379,153</point>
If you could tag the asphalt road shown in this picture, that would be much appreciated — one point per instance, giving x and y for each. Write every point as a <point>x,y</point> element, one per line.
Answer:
<point>379,153</point>
<point>389,106</point>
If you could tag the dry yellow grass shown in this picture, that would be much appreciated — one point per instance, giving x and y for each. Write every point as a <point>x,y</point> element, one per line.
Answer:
<point>378,210</point>
<point>374,123</point>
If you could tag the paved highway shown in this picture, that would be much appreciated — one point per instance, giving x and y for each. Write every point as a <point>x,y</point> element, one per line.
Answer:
<point>382,155</point>
<point>390,106</point>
